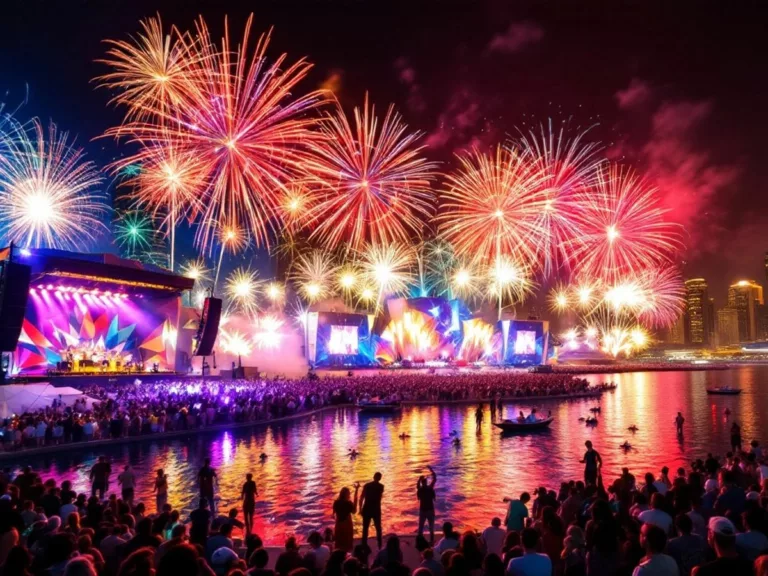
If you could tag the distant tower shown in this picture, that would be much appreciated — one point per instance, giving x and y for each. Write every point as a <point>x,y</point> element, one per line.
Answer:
<point>697,310</point>
<point>746,297</point>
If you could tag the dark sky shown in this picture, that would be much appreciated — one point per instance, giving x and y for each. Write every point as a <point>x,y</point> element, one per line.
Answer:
<point>678,88</point>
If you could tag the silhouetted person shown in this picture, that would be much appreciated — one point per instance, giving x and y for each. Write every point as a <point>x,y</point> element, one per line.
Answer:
<point>370,507</point>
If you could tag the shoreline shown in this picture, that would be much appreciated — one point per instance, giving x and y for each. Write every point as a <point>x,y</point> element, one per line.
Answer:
<point>5,456</point>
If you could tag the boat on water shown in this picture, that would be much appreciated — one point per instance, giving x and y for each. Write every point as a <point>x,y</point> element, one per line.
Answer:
<point>724,391</point>
<point>378,406</point>
<point>515,426</point>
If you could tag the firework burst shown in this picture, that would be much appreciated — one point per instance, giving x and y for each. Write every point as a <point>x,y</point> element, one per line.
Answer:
<point>508,282</point>
<point>168,185</point>
<point>374,183</point>
<point>624,231</point>
<point>197,270</point>
<point>492,204</point>
<point>243,125</point>
<point>275,293</point>
<point>388,267</point>
<point>243,288</point>
<point>46,189</point>
<point>152,71</point>
<point>314,275</point>
<point>133,232</point>
<point>567,166</point>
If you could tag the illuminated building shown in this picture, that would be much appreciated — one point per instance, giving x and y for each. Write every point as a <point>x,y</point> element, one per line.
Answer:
<point>697,310</point>
<point>675,334</point>
<point>727,333</point>
<point>746,297</point>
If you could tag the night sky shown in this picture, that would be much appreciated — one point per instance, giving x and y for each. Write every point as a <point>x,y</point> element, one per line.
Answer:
<point>678,89</point>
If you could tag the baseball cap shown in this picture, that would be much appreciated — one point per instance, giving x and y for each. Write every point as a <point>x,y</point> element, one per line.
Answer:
<point>222,558</point>
<point>721,525</point>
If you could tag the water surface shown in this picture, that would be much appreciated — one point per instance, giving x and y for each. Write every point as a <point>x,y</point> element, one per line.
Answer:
<point>307,460</point>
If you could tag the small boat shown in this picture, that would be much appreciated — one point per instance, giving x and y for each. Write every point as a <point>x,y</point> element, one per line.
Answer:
<point>591,421</point>
<point>376,406</point>
<point>724,391</point>
<point>595,410</point>
<point>514,426</point>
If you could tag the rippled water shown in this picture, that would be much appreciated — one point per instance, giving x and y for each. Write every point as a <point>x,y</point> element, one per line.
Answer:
<point>308,462</point>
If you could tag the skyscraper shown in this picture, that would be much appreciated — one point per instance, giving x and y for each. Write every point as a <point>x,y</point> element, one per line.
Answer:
<point>746,297</point>
<point>697,321</point>
<point>727,333</point>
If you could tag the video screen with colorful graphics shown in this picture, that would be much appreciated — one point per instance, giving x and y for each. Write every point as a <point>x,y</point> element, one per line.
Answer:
<point>343,340</point>
<point>525,342</point>
<point>80,331</point>
<point>337,339</point>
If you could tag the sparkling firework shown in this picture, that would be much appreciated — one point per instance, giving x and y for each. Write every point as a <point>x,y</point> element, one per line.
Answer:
<point>266,333</point>
<point>244,126</point>
<point>152,70</point>
<point>197,270</point>
<point>275,293</point>
<point>388,267</point>
<point>624,228</point>
<point>133,232</point>
<point>492,205</point>
<point>374,183</point>
<point>347,280</point>
<point>168,185</point>
<point>507,282</point>
<point>568,168</point>
<point>235,343</point>
<point>46,197</point>
<point>314,275</point>
<point>243,289</point>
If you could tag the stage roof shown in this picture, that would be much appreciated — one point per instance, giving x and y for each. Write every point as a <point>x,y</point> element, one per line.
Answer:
<point>104,271</point>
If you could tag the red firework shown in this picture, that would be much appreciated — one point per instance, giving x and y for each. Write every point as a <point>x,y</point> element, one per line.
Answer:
<point>568,167</point>
<point>245,127</point>
<point>492,204</point>
<point>623,228</point>
<point>374,184</point>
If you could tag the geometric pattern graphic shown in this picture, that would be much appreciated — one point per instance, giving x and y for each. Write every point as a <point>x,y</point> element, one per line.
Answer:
<point>55,323</point>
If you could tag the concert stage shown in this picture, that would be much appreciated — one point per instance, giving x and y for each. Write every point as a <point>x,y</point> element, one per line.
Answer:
<point>91,317</point>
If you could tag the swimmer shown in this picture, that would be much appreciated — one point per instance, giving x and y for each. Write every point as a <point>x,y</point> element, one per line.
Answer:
<point>262,457</point>
<point>633,428</point>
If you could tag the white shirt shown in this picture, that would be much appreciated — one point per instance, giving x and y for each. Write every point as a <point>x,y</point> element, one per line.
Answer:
<point>659,565</point>
<point>657,518</point>
<point>530,564</point>
<point>494,539</point>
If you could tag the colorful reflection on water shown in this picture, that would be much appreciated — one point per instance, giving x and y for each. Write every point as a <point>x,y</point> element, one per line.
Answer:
<point>308,464</point>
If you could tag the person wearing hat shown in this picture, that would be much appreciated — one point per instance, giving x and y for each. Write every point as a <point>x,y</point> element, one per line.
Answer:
<point>223,560</point>
<point>722,538</point>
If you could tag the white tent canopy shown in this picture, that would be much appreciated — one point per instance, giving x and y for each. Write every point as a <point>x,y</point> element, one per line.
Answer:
<point>20,398</point>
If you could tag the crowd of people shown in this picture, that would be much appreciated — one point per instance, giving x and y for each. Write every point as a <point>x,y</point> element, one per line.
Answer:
<point>711,519</point>
<point>116,411</point>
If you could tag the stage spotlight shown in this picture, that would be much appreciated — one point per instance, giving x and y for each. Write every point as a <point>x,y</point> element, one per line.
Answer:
<point>24,252</point>
<point>50,287</point>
